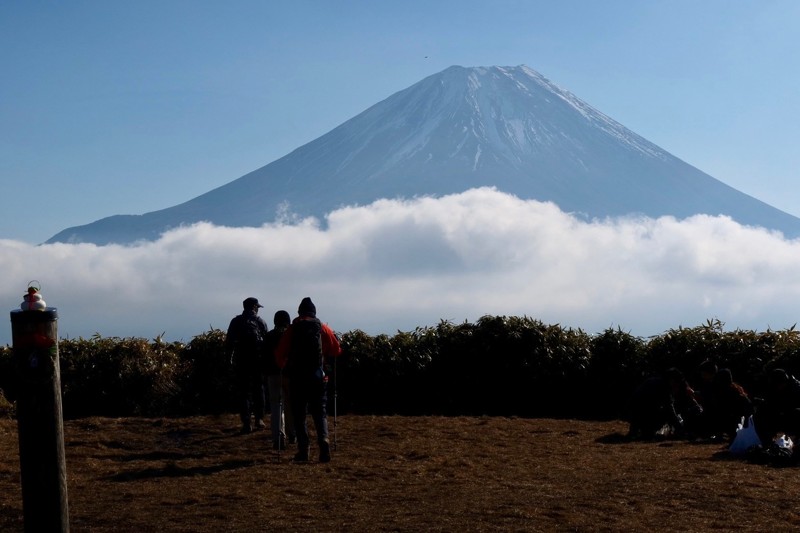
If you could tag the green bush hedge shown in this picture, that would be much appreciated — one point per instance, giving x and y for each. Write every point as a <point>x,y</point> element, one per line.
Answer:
<point>507,366</point>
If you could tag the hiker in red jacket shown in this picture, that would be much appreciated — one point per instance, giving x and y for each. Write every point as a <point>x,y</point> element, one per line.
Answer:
<point>301,353</point>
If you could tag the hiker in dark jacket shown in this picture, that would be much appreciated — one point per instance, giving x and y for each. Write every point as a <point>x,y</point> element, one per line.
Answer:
<point>244,348</point>
<point>704,387</point>
<point>726,405</point>
<point>301,353</point>
<point>661,401</point>
<point>281,420</point>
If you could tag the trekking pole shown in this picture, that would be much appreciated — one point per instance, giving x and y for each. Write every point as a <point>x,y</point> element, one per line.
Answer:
<point>280,414</point>
<point>335,400</point>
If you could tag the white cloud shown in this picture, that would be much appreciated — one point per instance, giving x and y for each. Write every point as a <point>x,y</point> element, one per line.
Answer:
<point>396,265</point>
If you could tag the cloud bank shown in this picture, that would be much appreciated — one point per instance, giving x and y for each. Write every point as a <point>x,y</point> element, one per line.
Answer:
<point>398,264</point>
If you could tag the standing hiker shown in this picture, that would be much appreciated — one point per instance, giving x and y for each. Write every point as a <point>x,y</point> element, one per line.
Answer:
<point>244,347</point>
<point>281,420</point>
<point>301,353</point>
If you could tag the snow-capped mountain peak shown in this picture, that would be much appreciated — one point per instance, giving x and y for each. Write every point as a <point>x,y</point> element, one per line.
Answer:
<point>507,127</point>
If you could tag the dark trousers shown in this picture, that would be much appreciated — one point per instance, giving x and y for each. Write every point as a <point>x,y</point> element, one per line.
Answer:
<point>309,395</point>
<point>251,396</point>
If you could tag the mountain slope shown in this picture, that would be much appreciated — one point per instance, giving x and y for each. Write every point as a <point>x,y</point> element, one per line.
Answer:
<point>462,128</point>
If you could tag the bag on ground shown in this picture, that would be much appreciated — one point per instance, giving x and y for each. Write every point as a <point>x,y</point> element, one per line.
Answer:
<point>746,438</point>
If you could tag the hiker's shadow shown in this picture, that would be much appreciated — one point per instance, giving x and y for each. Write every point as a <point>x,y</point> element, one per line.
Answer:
<point>172,470</point>
<point>623,438</point>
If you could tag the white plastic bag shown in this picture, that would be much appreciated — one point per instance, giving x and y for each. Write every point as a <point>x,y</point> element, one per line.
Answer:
<point>746,438</point>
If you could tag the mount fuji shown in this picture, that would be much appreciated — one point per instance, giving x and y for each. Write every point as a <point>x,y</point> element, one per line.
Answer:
<point>507,127</point>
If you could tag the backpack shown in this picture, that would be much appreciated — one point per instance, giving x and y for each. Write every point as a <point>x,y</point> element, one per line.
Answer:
<point>305,354</point>
<point>273,337</point>
<point>772,455</point>
<point>250,334</point>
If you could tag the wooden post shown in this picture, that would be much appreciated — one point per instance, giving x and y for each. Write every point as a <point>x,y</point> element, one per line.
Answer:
<point>43,470</point>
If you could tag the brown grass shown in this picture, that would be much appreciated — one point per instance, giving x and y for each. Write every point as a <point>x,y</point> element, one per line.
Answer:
<point>402,474</point>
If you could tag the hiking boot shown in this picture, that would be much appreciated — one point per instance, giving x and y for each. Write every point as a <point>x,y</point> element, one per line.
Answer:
<point>301,456</point>
<point>324,452</point>
<point>260,424</point>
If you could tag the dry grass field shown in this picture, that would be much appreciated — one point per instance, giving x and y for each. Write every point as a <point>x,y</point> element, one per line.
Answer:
<point>403,474</point>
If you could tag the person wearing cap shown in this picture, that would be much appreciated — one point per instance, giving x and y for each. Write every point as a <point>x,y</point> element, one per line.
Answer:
<point>281,421</point>
<point>301,353</point>
<point>244,346</point>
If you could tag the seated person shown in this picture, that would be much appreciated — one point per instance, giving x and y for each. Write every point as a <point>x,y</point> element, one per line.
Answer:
<point>779,411</point>
<point>726,405</point>
<point>659,405</point>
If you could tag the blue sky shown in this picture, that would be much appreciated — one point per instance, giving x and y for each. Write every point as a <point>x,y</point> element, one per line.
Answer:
<point>128,107</point>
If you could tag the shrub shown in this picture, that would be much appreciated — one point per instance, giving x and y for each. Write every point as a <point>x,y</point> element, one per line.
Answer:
<point>119,377</point>
<point>507,366</point>
<point>7,409</point>
<point>616,367</point>
<point>206,380</point>
<point>384,374</point>
<point>7,378</point>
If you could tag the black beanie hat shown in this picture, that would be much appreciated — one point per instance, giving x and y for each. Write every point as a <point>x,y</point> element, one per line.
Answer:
<point>282,318</point>
<point>307,307</point>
